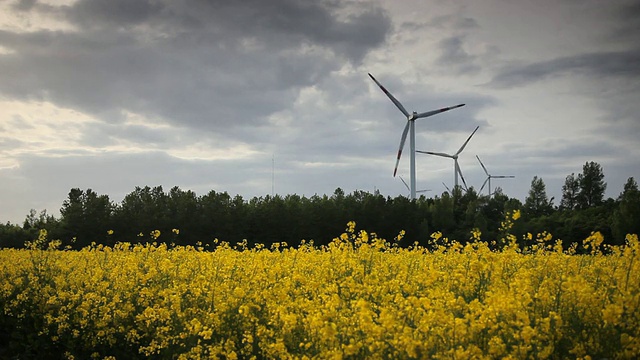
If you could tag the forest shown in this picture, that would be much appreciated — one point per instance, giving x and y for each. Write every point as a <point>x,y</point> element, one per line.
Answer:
<point>181,217</point>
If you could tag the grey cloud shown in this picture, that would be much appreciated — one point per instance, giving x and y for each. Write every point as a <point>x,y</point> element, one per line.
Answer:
<point>561,152</point>
<point>7,143</point>
<point>453,22</point>
<point>24,5</point>
<point>282,23</point>
<point>627,23</point>
<point>455,57</point>
<point>212,65</point>
<point>104,13</point>
<point>604,64</point>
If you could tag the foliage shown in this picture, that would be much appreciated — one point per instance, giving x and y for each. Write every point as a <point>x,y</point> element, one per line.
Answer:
<point>356,297</point>
<point>592,185</point>
<point>537,203</point>
<point>570,192</point>
<point>626,218</point>
<point>87,216</point>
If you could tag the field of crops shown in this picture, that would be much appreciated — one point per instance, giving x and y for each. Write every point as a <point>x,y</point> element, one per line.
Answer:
<point>360,297</point>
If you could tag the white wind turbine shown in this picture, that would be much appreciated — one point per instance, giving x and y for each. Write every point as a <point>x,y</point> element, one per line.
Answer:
<point>412,140</point>
<point>489,177</point>
<point>456,167</point>
<point>408,188</point>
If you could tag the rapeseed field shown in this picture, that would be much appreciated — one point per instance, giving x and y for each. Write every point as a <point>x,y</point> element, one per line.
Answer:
<point>361,297</point>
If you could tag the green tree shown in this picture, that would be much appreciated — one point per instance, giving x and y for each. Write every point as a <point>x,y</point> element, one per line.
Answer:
<point>570,192</point>
<point>626,216</point>
<point>14,236</point>
<point>592,185</point>
<point>86,216</point>
<point>140,212</point>
<point>537,203</point>
<point>442,214</point>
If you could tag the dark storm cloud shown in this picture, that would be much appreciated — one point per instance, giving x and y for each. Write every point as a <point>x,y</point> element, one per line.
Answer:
<point>190,62</point>
<point>621,64</point>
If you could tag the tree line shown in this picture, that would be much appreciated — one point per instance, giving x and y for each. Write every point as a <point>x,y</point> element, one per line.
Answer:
<point>180,217</point>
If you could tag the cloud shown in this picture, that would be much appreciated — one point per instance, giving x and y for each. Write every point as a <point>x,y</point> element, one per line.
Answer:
<point>618,64</point>
<point>24,5</point>
<point>212,65</point>
<point>110,13</point>
<point>627,23</point>
<point>455,57</point>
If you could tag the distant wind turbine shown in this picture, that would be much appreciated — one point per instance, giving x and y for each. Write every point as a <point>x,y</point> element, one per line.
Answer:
<point>489,177</point>
<point>456,167</point>
<point>412,140</point>
<point>407,186</point>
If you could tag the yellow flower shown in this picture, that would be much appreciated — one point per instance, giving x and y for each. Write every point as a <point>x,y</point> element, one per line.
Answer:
<point>109,232</point>
<point>516,215</point>
<point>155,234</point>
<point>175,231</point>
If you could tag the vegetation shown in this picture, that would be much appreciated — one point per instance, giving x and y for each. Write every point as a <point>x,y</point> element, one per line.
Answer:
<point>86,216</point>
<point>358,297</point>
<point>477,280</point>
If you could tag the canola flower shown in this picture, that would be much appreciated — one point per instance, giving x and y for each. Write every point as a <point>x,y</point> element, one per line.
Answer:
<point>359,297</point>
<point>155,234</point>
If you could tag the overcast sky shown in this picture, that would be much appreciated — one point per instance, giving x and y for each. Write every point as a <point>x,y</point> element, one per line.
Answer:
<point>250,96</point>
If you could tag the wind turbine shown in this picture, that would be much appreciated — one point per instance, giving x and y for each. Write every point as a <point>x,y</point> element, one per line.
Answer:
<point>412,140</point>
<point>489,177</point>
<point>456,167</point>
<point>407,186</point>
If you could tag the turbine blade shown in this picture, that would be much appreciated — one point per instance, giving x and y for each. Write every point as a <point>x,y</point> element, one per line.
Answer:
<point>434,112</point>
<point>393,99</point>
<point>435,153</point>
<point>446,187</point>
<point>484,168</point>
<point>466,142</point>
<point>483,184</point>
<point>405,183</point>
<point>461,177</point>
<point>402,141</point>
<point>503,176</point>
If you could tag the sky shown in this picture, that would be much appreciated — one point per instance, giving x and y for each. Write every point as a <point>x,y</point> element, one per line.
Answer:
<point>259,97</point>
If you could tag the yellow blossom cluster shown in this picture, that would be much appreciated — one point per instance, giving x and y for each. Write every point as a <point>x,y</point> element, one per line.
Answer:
<point>360,297</point>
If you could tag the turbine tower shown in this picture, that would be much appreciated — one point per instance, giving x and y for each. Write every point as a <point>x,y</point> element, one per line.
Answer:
<point>410,128</point>
<point>456,167</point>
<point>489,177</point>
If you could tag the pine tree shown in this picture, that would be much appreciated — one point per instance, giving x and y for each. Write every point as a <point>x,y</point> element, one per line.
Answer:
<point>537,202</point>
<point>592,185</point>
<point>625,218</point>
<point>570,191</point>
